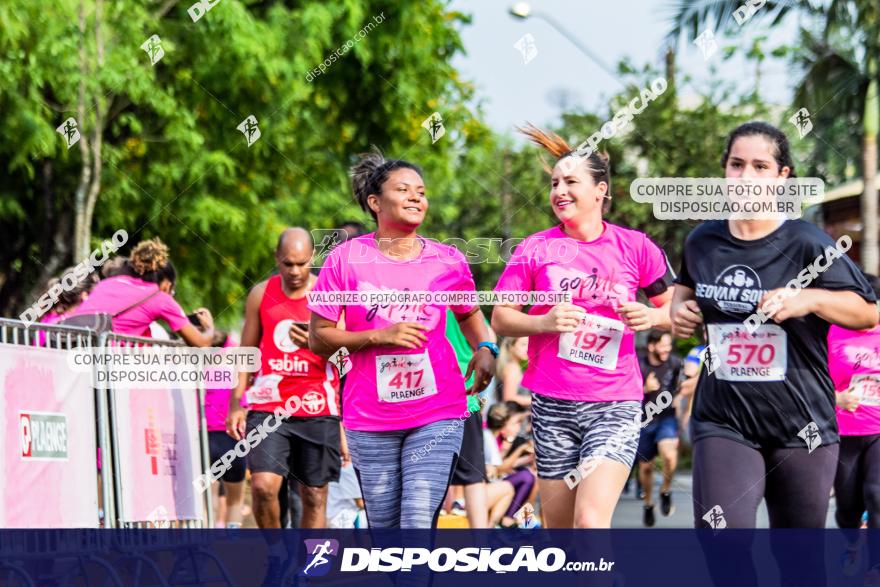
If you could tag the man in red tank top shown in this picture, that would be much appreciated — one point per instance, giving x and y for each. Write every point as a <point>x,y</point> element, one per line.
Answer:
<point>306,444</point>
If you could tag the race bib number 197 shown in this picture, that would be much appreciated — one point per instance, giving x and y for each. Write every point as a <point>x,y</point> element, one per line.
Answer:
<point>596,342</point>
<point>401,378</point>
<point>742,356</point>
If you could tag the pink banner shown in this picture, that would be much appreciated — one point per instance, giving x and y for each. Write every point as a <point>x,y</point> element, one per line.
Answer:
<point>159,454</point>
<point>48,447</point>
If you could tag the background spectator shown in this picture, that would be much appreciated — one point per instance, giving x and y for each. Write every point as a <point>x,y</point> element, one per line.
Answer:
<point>512,359</point>
<point>144,292</point>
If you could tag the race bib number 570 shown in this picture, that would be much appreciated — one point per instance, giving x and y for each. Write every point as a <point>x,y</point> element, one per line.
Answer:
<point>743,356</point>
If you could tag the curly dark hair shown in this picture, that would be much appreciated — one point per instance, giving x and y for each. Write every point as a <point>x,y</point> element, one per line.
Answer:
<point>149,261</point>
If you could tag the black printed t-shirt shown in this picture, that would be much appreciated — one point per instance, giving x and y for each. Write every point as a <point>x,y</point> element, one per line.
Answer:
<point>770,386</point>
<point>668,374</point>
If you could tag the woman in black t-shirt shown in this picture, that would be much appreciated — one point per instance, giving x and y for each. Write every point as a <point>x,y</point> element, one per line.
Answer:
<point>763,421</point>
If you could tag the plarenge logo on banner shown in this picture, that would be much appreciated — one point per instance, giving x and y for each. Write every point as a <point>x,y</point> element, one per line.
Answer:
<point>43,436</point>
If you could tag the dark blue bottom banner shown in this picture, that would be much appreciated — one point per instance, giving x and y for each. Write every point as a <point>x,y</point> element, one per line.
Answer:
<point>802,558</point>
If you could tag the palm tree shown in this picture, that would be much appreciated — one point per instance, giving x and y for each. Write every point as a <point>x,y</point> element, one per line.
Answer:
<point>843,64</point>
<point>834,76</point>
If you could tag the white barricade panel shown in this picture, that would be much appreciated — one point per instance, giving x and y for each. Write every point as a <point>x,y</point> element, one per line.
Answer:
<point>48,445</point>
<point>159,454</point>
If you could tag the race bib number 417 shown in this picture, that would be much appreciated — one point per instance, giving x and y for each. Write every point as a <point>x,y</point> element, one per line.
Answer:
<point>401,378</point>
<point>743,356</point>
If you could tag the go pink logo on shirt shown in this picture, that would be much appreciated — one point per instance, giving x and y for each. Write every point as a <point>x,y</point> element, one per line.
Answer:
<point>589,287</point>
<point>860,356</point>
<point>394,313</point>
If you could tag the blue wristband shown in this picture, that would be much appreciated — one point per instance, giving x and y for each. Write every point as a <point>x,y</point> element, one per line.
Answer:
<point>493,348</point>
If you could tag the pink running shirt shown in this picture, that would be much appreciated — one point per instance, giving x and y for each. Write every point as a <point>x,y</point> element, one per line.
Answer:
<point>601,363</point>
<point>416,389</point>
<point>114,294</point>
<point>217,400</point>
<point>50,317</point>
<point>854,358</point>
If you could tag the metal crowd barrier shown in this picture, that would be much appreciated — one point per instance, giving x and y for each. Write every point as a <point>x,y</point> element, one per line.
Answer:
<point>56,336</point>
<point>64,338</point>
<point>112,339</point>
<point>68,337</point>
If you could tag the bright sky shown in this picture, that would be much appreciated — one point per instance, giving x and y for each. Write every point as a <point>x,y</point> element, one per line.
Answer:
<point>513,91</point>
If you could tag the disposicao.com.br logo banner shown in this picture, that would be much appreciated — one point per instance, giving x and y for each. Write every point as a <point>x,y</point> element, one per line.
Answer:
<point>321,552</point>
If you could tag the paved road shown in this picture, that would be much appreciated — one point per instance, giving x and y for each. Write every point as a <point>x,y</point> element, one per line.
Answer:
<point>629,511</point>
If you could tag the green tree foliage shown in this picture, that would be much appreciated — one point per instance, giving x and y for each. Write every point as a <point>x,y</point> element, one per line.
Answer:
<point>174,164</point>
<point>840,77</point>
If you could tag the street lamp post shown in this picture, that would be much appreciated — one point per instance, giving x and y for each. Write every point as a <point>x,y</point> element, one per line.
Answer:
<point>522,10</point>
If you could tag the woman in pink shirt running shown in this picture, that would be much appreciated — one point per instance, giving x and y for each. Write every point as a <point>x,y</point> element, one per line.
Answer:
<point>583,372</point>
<point>854,365</point>
<point>404,402</point>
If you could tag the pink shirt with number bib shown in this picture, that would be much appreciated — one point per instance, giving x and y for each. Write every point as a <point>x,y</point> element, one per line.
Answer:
<point>396,388</point>
<point>854,363</point>
<point>597,362</point>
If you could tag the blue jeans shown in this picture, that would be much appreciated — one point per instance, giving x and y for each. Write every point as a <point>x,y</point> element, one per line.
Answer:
<point>652,434</point>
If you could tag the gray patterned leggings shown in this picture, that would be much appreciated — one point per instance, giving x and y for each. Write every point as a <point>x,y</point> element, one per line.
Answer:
<point>404,474</point>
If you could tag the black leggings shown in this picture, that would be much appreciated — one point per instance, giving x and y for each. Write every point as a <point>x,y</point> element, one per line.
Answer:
<point>795,483</point>
<point>857,489</point>
<point>857,484</point>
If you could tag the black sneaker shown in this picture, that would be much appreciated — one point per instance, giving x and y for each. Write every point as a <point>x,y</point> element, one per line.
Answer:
<point>666,506</point>
<point>648,518</point>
